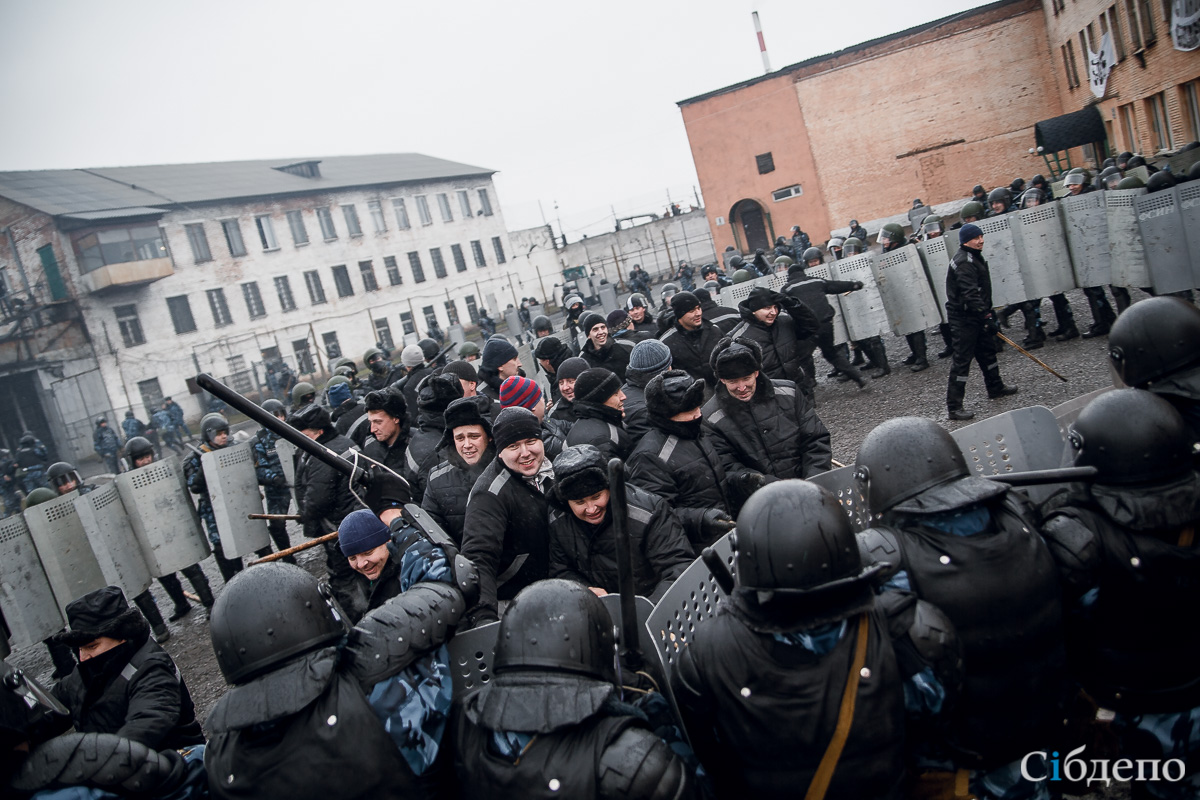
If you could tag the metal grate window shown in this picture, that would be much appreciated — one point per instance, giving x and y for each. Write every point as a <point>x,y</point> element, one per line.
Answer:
<point>254,303</point>
<point>332,348</point>
<point>368,276</point>
<point>393,271</point>
<point>351,215</point>
<point>498,246</point>
<point>296,224</point>
<point>439,264</point>
<point>414,261</point>
<point>406,322</point>
<point>316,292</point>
<point>460,261</point>
<point>477,251</point>
<point>383,334</point>
<point>472,309</point>
<point>233,237</point>
<point>283,287</point>
<point>219,308</point>
<point>452,312</point>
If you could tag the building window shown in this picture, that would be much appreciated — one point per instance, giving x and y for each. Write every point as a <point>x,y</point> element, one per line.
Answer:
<point>430,317</point>
<point>1069,65</point>
<point>464,203</point>
<point>439,264</point>
<point>784,194</point>
<point>316,292</point>
<point>1191,107</point>
<point>368,276</point>
<point>304,359</point>
<point>118,246</point>
<point>472,309</point>
<point>485,202</point>
<point>341,280</point>
<point>1110,24</point>
<point>219,308</point>
<point>460,261</point>
<point>332,348</point>
<point>240,379</point>
<point>383,334</point>
<point>233,237</point>
<point>283,288</point>
<point>451,312</point>
<point>376,209</point>
<point>477,251</point>
<point>199,242</point>
<point>414,261</point>
<point>401,214</point>
<point>266,233</point>
<point>1129,128</point>
<point>393,271</point>
<point>131,326</point>
<point>406,323</point>
<point>326,220</point>
<point>1160,122</point>
<point>1141,23</point>
<point>181,314</point>
<point>152,395</point>
<point>765,163</point>
<point>498,246</point>
<point>296,223</point>
<point>351,215</point>
<point>423,210</point>
<point>444,207</point>
<point>254,303</point>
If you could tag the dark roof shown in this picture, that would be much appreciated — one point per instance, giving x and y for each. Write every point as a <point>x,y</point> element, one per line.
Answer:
<point>1070,130</point>
<point>847,51</point>
<point>81,191</point>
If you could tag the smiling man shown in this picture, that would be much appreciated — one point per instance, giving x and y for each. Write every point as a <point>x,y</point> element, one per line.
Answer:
<point>467,449</point>
<point>601,349</point>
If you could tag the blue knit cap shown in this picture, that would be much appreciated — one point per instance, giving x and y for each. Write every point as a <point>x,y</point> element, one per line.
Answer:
<point>338,394</point>
<point>361,531</point>
<point>968,232</point>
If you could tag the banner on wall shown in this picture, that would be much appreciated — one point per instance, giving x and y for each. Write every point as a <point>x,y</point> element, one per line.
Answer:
<point>1185,24</point>
<point>1100,64</point>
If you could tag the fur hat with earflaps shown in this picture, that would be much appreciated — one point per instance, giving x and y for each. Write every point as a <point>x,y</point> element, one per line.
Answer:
<point>103,612</point>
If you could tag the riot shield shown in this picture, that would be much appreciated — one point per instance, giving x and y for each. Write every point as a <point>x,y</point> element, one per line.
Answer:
<point>26,599</point>
<point>1021,440</point>
<point>916,216</point>
<point>287,459</point>
<point>1041,247</point>
<point>112,539</point>
<point>905,291</point>
<point>1066,413</point>
<point>862,310</point>
<point>732,295</point>
<point>936,258</point>
<point>608,297</point>
<point>842,483</point>
<point>1161,225</point>
<point>1000,253</point>
<point>1125,239</point>
<point>63,547</point>
<point>1189,211</point>
<point>840,335</point>
<point>233,489</point>
<point>471,658</point>
<point>162,516</point>
<point>513,319</point>
<point>1087,236</point>
<point>645,608</point>
<point>693,597</point>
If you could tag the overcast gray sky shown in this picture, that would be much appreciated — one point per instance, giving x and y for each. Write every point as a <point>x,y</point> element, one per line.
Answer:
<point>573,104</point>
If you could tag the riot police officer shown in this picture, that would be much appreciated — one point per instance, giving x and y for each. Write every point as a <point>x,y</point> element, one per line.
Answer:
<point>214,435</point>
<point>891,237</point>
<point>32,459</point>
<point>812,291</point>
<point>8,483</point>
<point>107,445</point>
<point>269,471</point>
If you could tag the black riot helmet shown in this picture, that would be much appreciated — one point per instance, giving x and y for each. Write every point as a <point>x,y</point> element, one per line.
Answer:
<point>557,626</point>
<point>138,447</point>
<point>636,300</point>
<point>1017,186</point>
<point>542,323</point>
<point>273,407</point>
<point>1153,339</point>
<point>1135,162</point>
<point>28,439</point>
<point>28,714</point>
<point>794,543</point>
<point>267,616</point>
<point>1131,182</point>
<point>1040,182</point>
<point>60,474</point>
<point>1131,436</point>
<point>429,349</point>
<point>211,425</point>
<point>1160,182</point>
<point>1000,194</point>
<point>1193,173</point>
<point>813,254</point>
<point>903,457</point>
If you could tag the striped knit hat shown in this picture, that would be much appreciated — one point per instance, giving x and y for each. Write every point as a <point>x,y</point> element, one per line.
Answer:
<point>518,391</point>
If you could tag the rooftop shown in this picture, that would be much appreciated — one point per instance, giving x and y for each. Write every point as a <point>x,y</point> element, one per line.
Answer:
<point>139,190</point>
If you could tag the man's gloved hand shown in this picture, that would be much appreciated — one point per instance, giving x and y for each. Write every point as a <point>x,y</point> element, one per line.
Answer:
<point>858,285</point>
<point>385,490</point>
<point>748,482</point>
<point>280,481</point>
<point>715,523</point>
<point>990,325</point>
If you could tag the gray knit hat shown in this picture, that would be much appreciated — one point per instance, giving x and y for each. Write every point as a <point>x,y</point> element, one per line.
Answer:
<point>649,356</point>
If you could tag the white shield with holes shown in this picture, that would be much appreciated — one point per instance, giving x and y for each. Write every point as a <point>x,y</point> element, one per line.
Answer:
<point>62,544</point>
<point>113,542</point>
<point>30,608</point>
<point>233,488</point>
<point>162,516</point>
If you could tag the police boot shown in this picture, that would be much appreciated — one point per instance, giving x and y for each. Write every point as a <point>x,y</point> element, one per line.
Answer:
<point>879,359</point>
<point>199,582</point>
<point>279,536</point>
<point>228,566</point>
<point>1002,391</point>
<point>917,342</point>
<point>858,356</point>
<point>1065,317</point>
<point>956,390</point>
<point>1035,334</point>
<point>944,330</point>
<point>1121,296</point>
<point>149,608</point>
<point>174,590</point>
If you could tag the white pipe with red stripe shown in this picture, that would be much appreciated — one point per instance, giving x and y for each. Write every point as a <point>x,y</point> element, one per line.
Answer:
<point>762,43</point>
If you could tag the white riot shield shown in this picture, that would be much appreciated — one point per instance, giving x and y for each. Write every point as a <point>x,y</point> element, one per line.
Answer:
<point>63,547</point>
<point>233,489</point>
<point>30,609</point>
<point>514,323</point>
<point>1189,212</point>
<point>1087,236</point>
<point>1041,247</point>
<point>904,288</point>
<point>287,460</point>
<point>863,310</point>
<point>1125,239</point>
<point>732,295</point>
<point>1163,239</point>
<point>841,482</point>
<point>1021,440</point>
<point>694,596</point>
<point>1066,413</point>
<point>162,516</point>
<point>1000,253</point>
<point>608,297</point>
<point>456,335</point>
<point>936,258</point>
<point>840,334</point>
<point>113,542</point>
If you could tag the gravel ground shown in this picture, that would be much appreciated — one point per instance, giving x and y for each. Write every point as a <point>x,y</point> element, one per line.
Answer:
<point>848,412</point>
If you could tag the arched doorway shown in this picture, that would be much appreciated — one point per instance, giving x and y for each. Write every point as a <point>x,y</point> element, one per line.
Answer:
<point>751,224</point>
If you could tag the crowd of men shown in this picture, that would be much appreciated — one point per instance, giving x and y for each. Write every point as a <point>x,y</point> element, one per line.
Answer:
<point>959,647</point>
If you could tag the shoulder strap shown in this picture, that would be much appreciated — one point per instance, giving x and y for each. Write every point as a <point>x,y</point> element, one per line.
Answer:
<point>825,770</point>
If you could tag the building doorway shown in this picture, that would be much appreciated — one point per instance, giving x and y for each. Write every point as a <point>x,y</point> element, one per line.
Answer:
<point>750,220</point>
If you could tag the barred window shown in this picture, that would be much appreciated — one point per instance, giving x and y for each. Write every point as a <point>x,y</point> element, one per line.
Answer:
<point>393,271</point>
<point>498,246</point>
<point>283,288</point>
<point>219,308</point>
<point>439,264</point>
<point>460,262</point>
<point>233,237</point>
<point>414,261</point>
<point>296,223</point>
<point>316,292</point>
<point>477,251</point>
<point>254,303</point>
<point>368,276</point>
